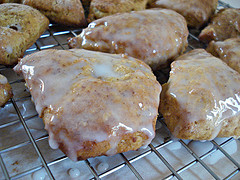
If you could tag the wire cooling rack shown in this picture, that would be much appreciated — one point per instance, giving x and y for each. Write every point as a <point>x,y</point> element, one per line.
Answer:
<point>25,153</point>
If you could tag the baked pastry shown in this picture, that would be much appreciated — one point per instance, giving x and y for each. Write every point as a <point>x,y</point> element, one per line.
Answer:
<point>5,90</point>
<point>201,99</point>
<point>66,12</point>
<point>92,103</point>
<point>197,13</point>
<point>20,27</point>
<point>223,25</point>
<point>102,8</point>
<point>155,36</point>
<point>228,51</point>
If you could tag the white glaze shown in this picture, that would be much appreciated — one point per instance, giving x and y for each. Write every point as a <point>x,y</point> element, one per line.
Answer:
<point>199,11</point>
<point>228,51</point>
<point>191,80</point>
<point>3,79</point>
<point>68,81</point>
<point>9,49</point>
<point>154,37</point>
<point>103,166</point>
<point>74,172</point>
<point>39,175</point>
<point>104,70</point>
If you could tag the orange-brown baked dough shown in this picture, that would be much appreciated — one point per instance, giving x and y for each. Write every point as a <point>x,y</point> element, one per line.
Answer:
<point>224,25</point>
<point>196,12</point>
<point>228,51</point>
<point>102,8</point>
<point>201,99</point>
<point>155,36</point>
<point>92,103</point>
<point>20,27</point>
<point>66,12</point>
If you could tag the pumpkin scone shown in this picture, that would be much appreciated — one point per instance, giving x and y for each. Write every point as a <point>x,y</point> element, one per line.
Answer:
<point>92,103</point>
<point>197,13</point>
<point>20,27</point>
<point>201,99</point>
<point>66,12</point>
<point>228,51</point>
<point>102,8</point>
<point>224,25</point>
<point>155,36</point>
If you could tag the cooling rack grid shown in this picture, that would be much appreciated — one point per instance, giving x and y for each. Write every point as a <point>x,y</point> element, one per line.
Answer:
<point>25,153</point>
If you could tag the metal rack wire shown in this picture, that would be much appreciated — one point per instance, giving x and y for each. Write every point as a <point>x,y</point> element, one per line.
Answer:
<point>21,116</point>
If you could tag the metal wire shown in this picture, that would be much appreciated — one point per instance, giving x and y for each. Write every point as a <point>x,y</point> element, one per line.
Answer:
<point>199,160</point>
<point>127,161</point>
<point>165,162</point>
<point>4,169</point>
<point>32,140</point>
<point>131,167</point>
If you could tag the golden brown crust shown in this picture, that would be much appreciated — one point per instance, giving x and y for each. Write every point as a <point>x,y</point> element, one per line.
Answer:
<point>228,51</point>
<point>70,13</point>
<point>197,13</point>
<point>11,49</point>
<point>201,99</point>
<point>102,8</point>
<point>224,25</point>
<point>131,141</point>
<point>23,27</point>
<point>105,103</point>
<point>155,36</point>
<point>5,92</point>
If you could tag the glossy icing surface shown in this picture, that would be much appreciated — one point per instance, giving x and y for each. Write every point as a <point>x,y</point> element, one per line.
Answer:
<point>85,96</point>
<point>3,79</point>
<point>206,91</point>
<point>154,36</point>
<point>228,51</point>
<point>196,12</point>
<point>224,25</point>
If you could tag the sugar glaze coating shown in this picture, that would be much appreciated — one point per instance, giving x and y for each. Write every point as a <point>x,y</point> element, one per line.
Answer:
<point>89,99</point>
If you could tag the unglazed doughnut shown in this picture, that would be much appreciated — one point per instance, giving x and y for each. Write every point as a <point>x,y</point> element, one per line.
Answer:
<point>201,99</point>
<point>20,27</point>
<point>155,36</point>
<point>92,103</point>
